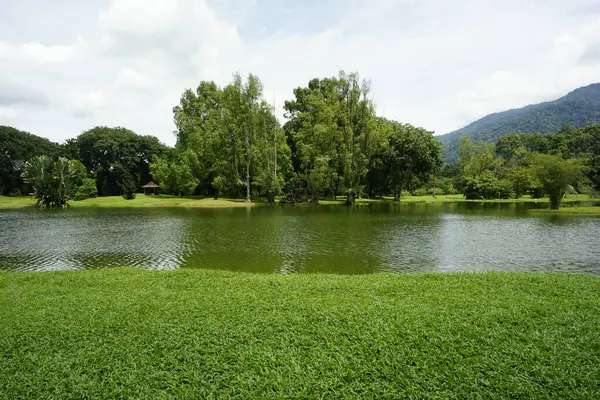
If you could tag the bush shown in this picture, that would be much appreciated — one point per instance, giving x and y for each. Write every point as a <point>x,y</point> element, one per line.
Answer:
<point>87,190</point>
<point>487,186</point>
<point>15,193</point>
<point>128,188</point>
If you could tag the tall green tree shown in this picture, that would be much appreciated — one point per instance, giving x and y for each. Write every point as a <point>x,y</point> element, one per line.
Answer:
<point>412,156</point>
<point>175,177</point>
<point>555,173</point>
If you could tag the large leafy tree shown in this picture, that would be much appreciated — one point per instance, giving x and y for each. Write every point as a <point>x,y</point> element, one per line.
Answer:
<point>235,136</point>
<point>334,135</point>
<point>555,173</point>
<point>176,176</point>
<point>16,147</point>
<point>113,155</point>
<point>411,157</point>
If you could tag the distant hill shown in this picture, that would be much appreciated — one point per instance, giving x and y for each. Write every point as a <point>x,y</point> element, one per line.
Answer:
<point>579,108</point>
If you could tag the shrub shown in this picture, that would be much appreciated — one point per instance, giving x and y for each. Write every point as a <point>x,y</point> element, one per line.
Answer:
<point>487,186</point>
<point>128,188</point>
<point>15,193</point>
<point>87,190</point>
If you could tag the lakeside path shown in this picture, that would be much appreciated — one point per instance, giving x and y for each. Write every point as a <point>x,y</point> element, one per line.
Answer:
<point>124,333</point>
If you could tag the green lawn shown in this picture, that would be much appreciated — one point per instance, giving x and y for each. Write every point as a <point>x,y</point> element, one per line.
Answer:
<point>139,201</point>
<point>172,201</point>
<point>202,334</point>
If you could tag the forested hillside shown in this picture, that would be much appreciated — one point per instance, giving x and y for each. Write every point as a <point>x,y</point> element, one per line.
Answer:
<point>579,108</point>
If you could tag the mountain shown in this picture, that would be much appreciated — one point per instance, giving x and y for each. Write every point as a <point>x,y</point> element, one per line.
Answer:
<point>579,108</point>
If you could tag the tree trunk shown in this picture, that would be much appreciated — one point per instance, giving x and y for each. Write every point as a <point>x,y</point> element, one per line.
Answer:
<point>248,200</point>
<point>396,193</point>
<point>555,201</point>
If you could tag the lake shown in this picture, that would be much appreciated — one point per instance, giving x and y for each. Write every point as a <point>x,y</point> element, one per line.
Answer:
<point>303,239</point>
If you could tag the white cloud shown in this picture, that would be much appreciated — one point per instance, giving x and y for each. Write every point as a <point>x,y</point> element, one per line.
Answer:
<point>548,76</point>
<point>39,53</point>
<point>433,63</point>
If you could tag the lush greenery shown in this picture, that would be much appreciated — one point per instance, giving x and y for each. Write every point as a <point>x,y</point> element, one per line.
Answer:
<point>16,148</point>
<point>141,200</point>
<point>201,334</point>
<point>527,164</point>
<point>579,108</point>
<point>230,143</point>
<point>53,182</point>
<point>116,158</point>
<point>332,145</point>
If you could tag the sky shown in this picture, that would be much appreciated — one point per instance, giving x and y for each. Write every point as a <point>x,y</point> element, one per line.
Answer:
<point>69,65</point>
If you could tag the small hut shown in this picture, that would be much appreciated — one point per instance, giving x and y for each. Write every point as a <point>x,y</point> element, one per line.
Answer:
<point>150,185</point>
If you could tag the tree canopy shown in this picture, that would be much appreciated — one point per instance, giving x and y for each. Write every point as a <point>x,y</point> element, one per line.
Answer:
<point>17,147</point>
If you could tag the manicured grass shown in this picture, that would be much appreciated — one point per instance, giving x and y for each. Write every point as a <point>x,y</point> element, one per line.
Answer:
<point>139,201</point>
<point>203,334</point>
<point>159,201</point>
<point>16,202</point>
<point>172,201</point>
<point>592,210</point>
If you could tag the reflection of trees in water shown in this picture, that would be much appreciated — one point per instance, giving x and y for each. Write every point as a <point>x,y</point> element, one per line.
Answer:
<point>239,239</point>
<point>409,237</point>
<point>363,239</point>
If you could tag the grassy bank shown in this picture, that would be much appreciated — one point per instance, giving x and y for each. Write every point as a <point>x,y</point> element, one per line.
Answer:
<point>570,211</point>
<point>171,201</point>
<point>139,201</point>
<point>204,334</point>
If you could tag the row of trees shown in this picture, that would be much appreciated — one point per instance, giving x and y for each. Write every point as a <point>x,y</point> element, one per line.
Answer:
<point>229,142</point>
<point>528,164</point>
<point>108,161</point>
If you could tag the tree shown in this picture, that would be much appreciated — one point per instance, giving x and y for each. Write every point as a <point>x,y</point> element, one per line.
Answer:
<point>486,186</point>
<point>522,180</point>
<point>235,136</point>
<point>112,155</point>
<point>554,174</point>
<point>128,187</point>
<point>476,159</point>
<point>17,147</point>
<point>412,155</point>
<point>175,177</point>
<point>52,180</point>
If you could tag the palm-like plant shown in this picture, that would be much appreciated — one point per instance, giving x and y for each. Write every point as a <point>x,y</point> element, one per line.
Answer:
<point>52,181</point>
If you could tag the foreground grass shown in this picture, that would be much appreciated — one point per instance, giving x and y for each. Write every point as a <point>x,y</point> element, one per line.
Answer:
<point>204,334</point>
<point>592,210</point>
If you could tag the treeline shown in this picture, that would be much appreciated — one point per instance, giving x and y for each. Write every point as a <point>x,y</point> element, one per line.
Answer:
<point>527,164</point>
<point>113,158</point>
<point>229,142</point>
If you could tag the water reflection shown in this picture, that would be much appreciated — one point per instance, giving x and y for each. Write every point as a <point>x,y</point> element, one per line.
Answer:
<point>360,240</point>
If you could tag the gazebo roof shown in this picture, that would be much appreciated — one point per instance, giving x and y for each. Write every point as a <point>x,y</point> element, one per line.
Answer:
<point>150,185</point>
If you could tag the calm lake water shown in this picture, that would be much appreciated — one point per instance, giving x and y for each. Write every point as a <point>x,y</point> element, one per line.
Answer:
<point>334,239</point>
